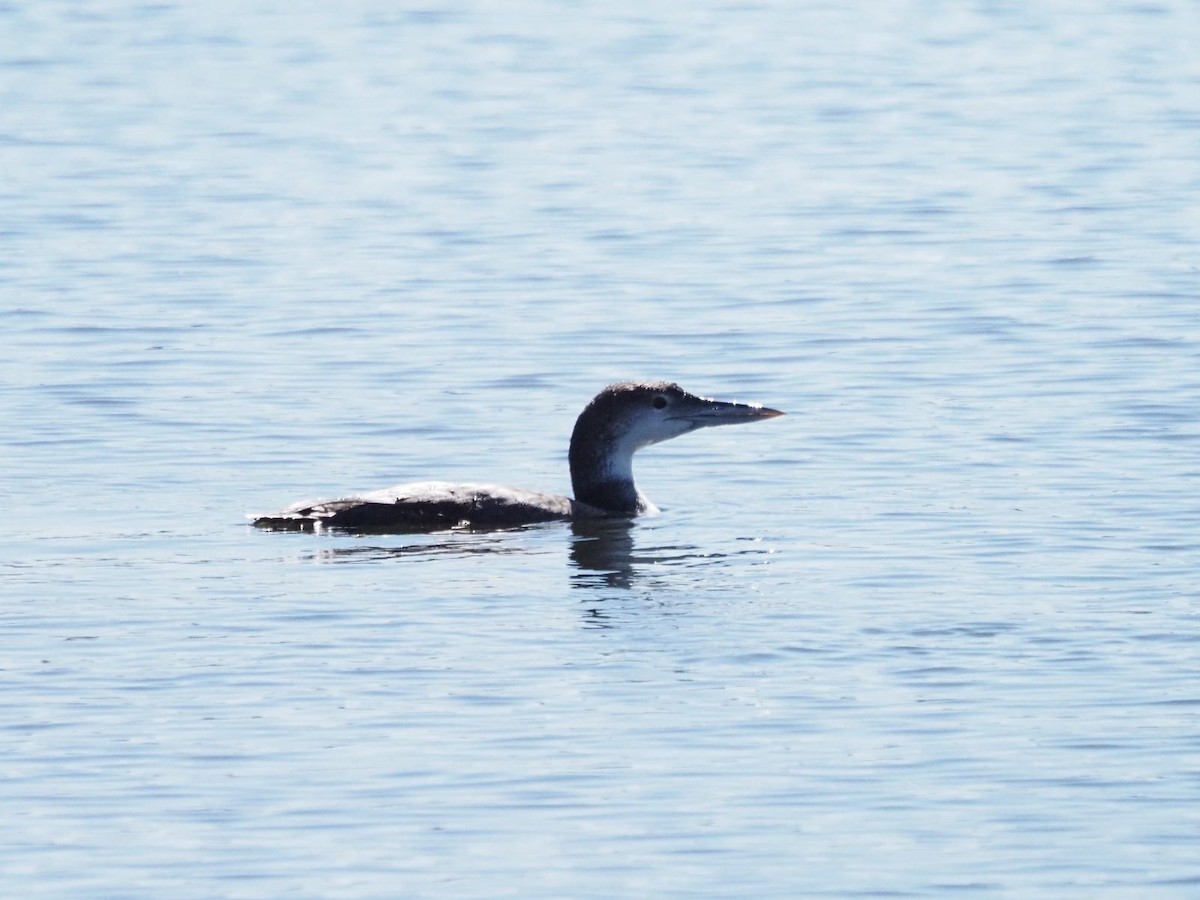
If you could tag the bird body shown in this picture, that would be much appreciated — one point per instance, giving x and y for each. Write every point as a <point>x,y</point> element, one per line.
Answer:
<point>428,506</point>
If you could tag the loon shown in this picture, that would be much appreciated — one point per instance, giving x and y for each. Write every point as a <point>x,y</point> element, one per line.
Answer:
<point>620,420</point>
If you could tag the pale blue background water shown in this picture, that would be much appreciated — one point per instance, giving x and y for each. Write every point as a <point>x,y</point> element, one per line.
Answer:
<point>935,633</point>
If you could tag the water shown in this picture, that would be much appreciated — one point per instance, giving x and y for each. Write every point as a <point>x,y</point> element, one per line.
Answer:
<point>934,633</point>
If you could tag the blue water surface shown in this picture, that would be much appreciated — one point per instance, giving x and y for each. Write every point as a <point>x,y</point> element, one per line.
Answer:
<point>937,632</point>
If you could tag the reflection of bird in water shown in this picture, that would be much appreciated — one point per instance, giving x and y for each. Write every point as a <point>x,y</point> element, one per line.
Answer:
<point>620,420</point>
<point>602,552</point>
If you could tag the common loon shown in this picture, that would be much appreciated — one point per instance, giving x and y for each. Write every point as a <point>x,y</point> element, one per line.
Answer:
<point>620,420</point>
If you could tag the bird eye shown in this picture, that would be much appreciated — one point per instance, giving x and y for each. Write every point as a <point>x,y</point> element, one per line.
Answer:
<point>660,402</point>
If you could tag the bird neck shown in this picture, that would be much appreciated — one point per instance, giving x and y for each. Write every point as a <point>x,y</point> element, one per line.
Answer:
<point>602,470</point>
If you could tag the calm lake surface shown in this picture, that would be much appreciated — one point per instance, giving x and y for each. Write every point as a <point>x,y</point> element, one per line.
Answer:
<point>937,632</point>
